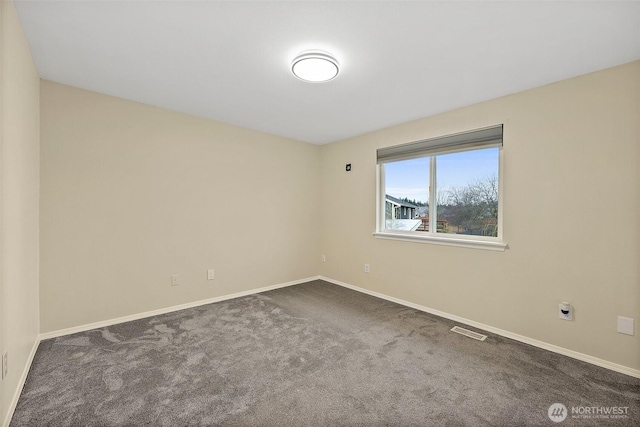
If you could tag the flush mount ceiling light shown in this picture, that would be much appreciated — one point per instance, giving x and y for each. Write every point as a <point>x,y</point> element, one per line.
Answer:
<point>315,66</point>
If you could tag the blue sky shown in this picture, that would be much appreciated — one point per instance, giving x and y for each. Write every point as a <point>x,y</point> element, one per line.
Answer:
<point>410,178</point>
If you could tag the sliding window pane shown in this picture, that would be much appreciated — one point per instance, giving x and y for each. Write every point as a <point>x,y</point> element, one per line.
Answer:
<point>467,193</point>
<point>407,195</point>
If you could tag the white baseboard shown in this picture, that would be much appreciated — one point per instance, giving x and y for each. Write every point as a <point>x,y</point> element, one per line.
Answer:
<point>23,379</point>
<point>110,322</point>
<point>540,344</point>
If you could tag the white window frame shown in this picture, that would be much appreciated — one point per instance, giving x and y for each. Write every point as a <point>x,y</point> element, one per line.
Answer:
<point>432,237</point>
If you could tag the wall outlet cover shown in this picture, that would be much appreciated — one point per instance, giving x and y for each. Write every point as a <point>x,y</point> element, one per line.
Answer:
<point>625,325</point>
<point>5,364</point>
<point>565,311</point>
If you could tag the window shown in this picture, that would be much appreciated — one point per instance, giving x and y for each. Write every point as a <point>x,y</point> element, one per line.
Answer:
<point>443,190</point>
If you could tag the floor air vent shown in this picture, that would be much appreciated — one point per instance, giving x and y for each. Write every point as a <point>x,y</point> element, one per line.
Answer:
<point>468,333</point>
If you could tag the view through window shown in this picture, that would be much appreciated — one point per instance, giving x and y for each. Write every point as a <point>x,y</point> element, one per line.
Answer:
<point>451,193</point>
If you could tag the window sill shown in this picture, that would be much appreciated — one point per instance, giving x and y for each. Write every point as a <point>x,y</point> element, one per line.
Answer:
<point>446,241</point>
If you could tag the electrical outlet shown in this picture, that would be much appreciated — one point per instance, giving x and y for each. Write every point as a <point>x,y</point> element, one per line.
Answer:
<point>174,280</point>
<point>366,268</point>
<point>210,274</point>
<point>324,258</point>
<point>565,311</point>
<point>5,365</point>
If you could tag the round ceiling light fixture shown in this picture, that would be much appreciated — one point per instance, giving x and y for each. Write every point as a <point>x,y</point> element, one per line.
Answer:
<point>315,66</point>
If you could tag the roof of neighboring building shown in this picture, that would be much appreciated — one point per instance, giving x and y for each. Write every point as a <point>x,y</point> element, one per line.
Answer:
<point>400,202</point>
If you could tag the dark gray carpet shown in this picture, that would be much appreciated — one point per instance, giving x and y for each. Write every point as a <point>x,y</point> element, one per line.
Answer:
<point>314,354</point>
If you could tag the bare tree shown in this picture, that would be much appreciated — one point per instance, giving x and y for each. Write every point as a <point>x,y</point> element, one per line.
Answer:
<point>474,208</point>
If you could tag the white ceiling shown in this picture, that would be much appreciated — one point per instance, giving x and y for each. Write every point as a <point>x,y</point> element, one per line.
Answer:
<point>401,61</point>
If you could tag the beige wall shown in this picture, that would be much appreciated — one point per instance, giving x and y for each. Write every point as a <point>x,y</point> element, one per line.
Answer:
<point>19,168</point>
<point>571,218</point>
<point>132,194</point>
